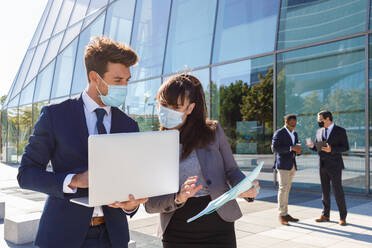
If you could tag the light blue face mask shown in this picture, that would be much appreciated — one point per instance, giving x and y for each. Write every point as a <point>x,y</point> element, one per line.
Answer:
<point>169,118</point>
<point>116,94</point>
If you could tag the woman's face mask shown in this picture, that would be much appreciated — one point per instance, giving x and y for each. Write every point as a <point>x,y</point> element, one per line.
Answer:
<point>169,118</point>
<point>116,94</point>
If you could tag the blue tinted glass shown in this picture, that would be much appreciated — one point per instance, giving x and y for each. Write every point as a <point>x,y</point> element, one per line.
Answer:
<point>23,72</point>
<point>190,34</point>
<point>43,83</point>
<point>332,77</point>
<point>244,28</point>
<point>140,103</point>
<point>27,93</point>
<point>52,49</point>
<point>119,20</point>
<point>35,38</point>
<point>80,80</point>
<point>12,135</point>
<point>303,22</point>
<point>149,36</point>
<point>63,71</point>
<point>36,61</point>
<point>64,16</point>
<point>79,11</point>
<point>52,17</point>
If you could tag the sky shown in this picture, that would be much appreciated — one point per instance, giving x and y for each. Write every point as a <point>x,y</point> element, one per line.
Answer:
<point>18,22</point>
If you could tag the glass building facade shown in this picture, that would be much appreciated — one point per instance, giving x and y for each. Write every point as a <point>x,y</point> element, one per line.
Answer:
<point>257,61</point>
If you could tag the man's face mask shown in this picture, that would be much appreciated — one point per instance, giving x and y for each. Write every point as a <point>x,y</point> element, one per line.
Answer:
<point>169,118</point>
<point>321,123</point>
<point>116,94</point>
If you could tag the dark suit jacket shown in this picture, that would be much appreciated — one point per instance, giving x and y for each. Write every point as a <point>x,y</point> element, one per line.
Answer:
<point>338,142</point>
<point>220,171</point>
<point>281,143</point>
<point>61,136</point>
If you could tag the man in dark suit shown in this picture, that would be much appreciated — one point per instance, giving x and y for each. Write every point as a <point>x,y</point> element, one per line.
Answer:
<point>284,144</point>
<point>61,136</point>
<point>331,164</point>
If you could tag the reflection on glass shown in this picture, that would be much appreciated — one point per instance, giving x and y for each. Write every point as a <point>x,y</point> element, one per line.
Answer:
<point>25,128</point>
<point>244,28</point>
<point>12,135</point>
<point>4,131</point>
<point>140,104</point>
<point>36,108</point>
<point>190,34</point>
<point>43,83</point>
<point>149,35</point>
<point>27,93</point>
<point>35,38</point>
<point>80,80</point>
<point>22,72</point>
<point>52,18</point>
<point>64,16</point>
<point>370,104</point>
<point>36,61</point>
<point>331,77</point>
<point>63,71</point>
<point>242,101</point>
<point>303,22</point>
<point>79,11</point>
<point>52,49</point>
<point>203,76</point>
<point>119,20</point>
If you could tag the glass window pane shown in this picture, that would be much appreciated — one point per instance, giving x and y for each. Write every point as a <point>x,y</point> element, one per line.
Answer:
<point>91,18</point>
<point>96,5</point>
<point>304,22</point>
<point>12,135</point>
<point>187,45</point>
<point>43,83</point>
<point>64,16</point>
<point>14,102</point>
<point>370,106</point>
<point>52,49</point>
<point>244,28</point>
<point>149,36</point>
<point>36,108</point>
<point>4,131</point>
<point>80,76</point>
<point>25,128</point>
<point>36,61</point>
<point>242,101</point>
<point>52,17</point>
<point>140,103</point>
<point>27,93</point>
<point>203,76</point>
<point>119,21</point>
<point>79,12</point>
<point>63,71</point>
<point>35,38</point>
<point>70,34</point>
<point>332,77</point>
<point>23,72</point>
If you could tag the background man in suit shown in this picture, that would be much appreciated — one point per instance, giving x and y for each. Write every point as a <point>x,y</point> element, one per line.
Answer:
<point>284,144</point>
<point>331,164</point>
<point>61,136</point>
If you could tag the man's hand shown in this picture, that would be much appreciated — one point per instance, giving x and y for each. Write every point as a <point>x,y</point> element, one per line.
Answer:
<point>297,149</point>
<point>79,181</point>
<point>327,148</point>
<point>188,189</point>
<point>130,205</point>
<point>252,192</point>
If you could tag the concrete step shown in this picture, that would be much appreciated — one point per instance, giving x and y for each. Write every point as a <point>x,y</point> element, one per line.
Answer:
<point>21,229</point>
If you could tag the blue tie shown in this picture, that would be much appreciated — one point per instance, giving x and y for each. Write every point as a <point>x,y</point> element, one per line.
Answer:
<point>100,114</point>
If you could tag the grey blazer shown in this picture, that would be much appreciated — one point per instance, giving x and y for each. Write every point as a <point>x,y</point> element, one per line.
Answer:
<point>220,171</point>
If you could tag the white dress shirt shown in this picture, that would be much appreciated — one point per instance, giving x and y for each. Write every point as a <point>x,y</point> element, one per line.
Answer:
<point>89,107</point>
<point>292,136</point>
<point>329,130</point>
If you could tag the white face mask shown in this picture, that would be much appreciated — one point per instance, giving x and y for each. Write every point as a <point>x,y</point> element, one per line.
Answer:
<point>169,118</point>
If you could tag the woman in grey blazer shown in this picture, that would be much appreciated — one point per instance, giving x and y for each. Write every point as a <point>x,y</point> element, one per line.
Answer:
<point>207,170</point>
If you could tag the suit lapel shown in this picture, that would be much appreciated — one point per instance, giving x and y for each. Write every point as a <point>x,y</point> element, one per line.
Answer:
<point>331,135</point>
<point>289,136</point>
<point>81,122</point>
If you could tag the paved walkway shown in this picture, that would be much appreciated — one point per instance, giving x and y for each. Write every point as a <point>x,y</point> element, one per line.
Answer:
<point>258,227</point>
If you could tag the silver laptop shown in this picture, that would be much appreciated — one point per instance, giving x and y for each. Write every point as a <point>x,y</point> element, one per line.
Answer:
<point>143,164</point>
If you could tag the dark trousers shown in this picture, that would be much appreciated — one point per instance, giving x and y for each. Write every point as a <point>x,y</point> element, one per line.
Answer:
<point>97,237</point>
<point>328,176</point>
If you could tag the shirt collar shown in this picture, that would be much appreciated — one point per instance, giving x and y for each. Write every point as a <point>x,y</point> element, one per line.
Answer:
<point>289,131</point>
<point>331,127</point>
<point>91,105</point>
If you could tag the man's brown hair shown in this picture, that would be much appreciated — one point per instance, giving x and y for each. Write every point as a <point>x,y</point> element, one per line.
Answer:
<point>102,50</point>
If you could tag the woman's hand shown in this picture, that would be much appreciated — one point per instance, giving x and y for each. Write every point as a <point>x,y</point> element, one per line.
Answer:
<point>252,192</point>
<point>188,189</point>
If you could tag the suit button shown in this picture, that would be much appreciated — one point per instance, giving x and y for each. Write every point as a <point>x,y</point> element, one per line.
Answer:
<point>209,182</point>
